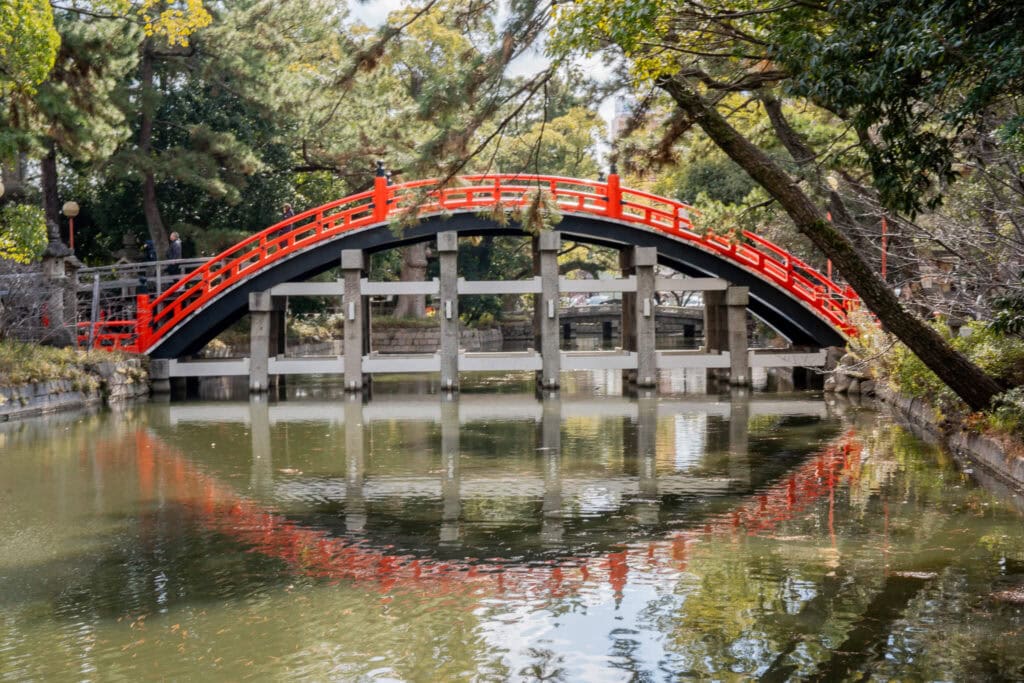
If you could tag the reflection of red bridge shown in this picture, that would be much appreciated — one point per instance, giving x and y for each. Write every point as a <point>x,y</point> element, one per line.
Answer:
<point>316,553</point>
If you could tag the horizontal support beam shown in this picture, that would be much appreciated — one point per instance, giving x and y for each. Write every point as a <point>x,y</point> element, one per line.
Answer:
<point>671,360</point>
<point>308,289</point>
<point>622,284</point>
<point>377,288</point>
<point>328,365</point>
<point>235,367</point>
<point>531,286</point>
<point>690,284</point>
<point>786,359</point>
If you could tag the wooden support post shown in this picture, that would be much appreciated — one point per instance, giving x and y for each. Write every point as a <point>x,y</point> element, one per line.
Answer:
<point>448,249</point>
<point>352,265</point>
<point>644,260</point>
<point>546,247</point>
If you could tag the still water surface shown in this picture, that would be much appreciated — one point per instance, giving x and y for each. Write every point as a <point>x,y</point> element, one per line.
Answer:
<point>500,536</point>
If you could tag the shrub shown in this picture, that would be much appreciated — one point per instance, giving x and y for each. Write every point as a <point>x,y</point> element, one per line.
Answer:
<point>1008,411</point>
<point>1000,355</point>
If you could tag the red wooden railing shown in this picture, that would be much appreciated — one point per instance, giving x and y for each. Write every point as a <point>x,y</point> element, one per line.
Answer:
<point>159,317</point>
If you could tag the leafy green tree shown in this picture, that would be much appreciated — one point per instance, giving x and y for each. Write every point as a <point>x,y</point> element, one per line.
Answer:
<point>22,233</point>
<point>699,54</point>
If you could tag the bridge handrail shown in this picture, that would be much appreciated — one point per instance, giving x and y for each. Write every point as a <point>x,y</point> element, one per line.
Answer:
<point>573,195</point>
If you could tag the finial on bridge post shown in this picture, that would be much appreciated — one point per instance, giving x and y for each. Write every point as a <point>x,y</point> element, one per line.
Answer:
<point>381,171</point>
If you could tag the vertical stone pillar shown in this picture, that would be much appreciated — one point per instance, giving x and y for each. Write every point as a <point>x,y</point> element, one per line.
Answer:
<point>715,326</point>
<point>546,248</point>
<point>649,508</point>
<point>160,376</point>
<point>353,264</point>
<point>627,323</point>
<point>451,480</point>
<point>736,300</point>
<point>261,306</point>
<point>355,465</point>
<point>552,523</point>
<point>448,249</point>
<point>644,260</point>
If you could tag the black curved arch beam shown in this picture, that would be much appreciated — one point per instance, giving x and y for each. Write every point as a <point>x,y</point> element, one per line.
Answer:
<point>775,306</point>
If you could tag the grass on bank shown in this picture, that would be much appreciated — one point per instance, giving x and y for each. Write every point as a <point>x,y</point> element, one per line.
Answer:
<point>29,363</point>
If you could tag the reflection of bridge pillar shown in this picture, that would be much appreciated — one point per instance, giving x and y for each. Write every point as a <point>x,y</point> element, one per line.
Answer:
<point>644,260</point>
<point>545,310</point>
<point>552,523</point>
<point>266,337</point>
<point>448,248</point>
<point>261,477</point>
<point>355,465</point>
<point>725,329</point>
<point>451,482</point>
<point>739,437</point>
<point>352,265</point>
<point>646,451</point>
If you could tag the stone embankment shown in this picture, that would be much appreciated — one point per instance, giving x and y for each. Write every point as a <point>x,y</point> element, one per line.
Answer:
<point>111,382</point>
<point>1001,456</point>
<point>849,375</point>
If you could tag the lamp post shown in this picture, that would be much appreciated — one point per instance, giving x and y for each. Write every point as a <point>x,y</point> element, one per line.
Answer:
<point>70,209</point>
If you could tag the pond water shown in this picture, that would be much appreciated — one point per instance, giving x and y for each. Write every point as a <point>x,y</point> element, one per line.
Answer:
<point>498,535</point>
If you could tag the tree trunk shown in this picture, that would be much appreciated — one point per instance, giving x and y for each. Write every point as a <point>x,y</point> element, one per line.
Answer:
<point>966,379</point>
<point>150,206</point>
<point>55,247</point>
<point>51,198</point>
<point>414,269</point>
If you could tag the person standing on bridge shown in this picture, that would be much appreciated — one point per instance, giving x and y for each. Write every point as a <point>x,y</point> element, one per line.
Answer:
<point>173,254</point>
<point>287,212</point>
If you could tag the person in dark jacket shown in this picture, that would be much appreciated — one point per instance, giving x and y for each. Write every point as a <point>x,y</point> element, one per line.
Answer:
<point>173,254</point>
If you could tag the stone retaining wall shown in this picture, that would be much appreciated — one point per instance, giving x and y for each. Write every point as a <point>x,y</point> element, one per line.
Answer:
<point>116,381</point>
<point>983,450</point>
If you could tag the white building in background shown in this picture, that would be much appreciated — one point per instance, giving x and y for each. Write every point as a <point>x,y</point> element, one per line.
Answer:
<point>624,107</point>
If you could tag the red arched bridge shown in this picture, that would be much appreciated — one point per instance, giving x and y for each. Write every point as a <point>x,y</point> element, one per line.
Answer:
<point>800,302</point>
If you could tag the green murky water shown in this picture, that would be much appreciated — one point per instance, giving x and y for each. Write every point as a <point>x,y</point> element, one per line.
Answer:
<point>500,536</point>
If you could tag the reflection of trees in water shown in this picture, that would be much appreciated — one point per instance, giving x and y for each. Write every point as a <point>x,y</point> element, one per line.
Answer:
<point>881,597</point>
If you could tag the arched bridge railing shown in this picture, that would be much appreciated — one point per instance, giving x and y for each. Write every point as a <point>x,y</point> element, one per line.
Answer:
<point>158,317</point>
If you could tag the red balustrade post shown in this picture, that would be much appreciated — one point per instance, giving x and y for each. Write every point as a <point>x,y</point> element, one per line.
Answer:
<point>380,194</point>
<point>143,318</point>
<point>614,196</point>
